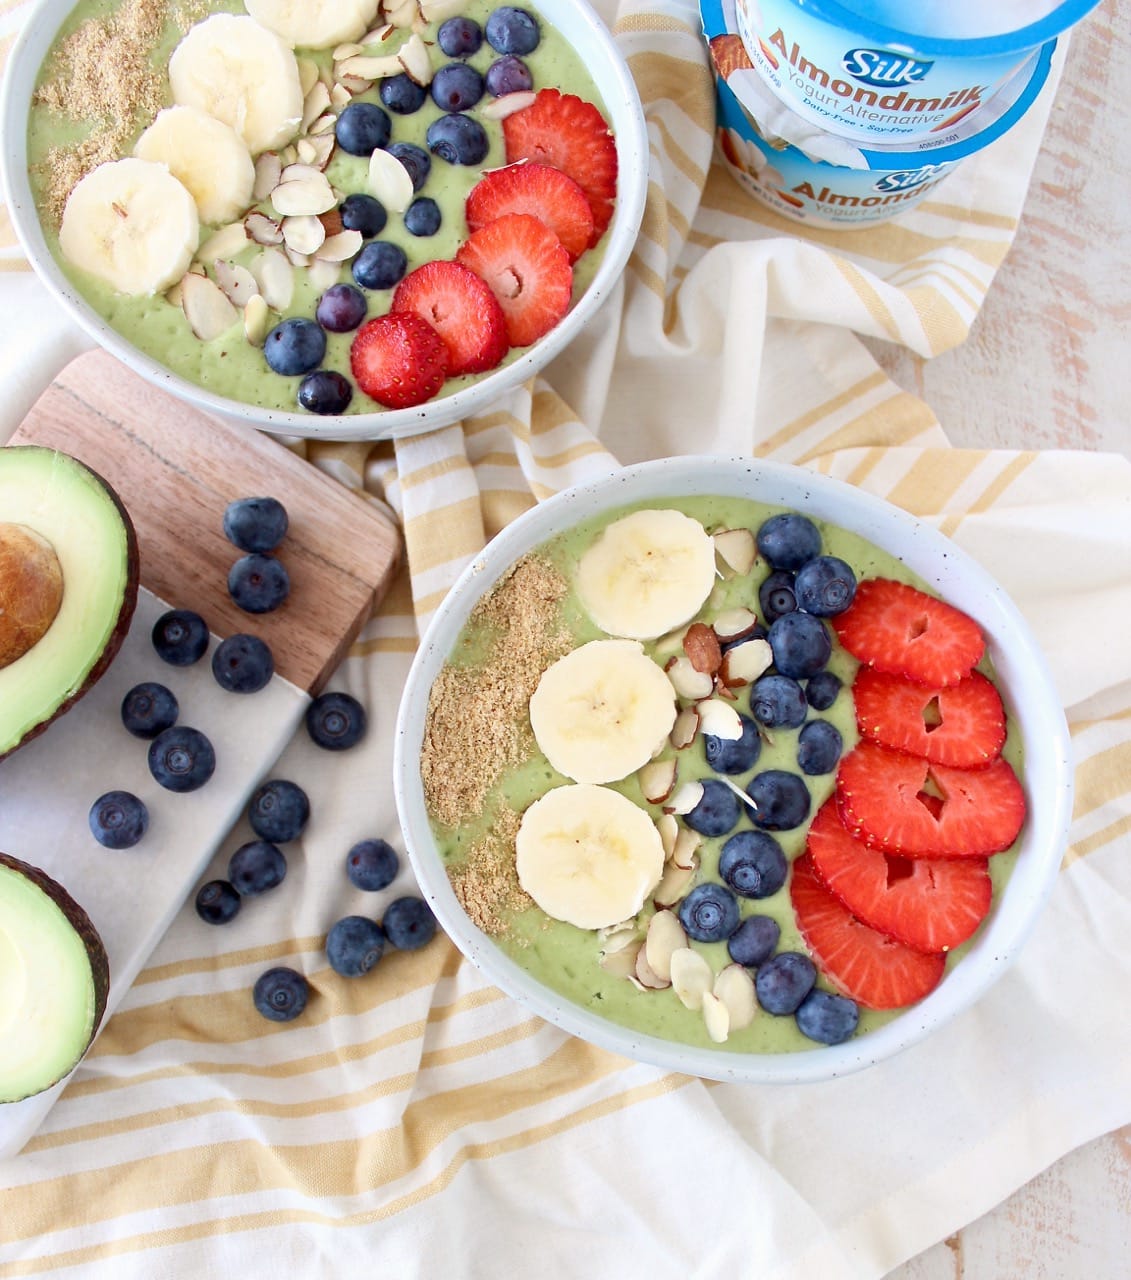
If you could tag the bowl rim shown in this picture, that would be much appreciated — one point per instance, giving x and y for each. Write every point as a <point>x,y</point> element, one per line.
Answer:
<point>626,116</point>
<point>1019,664</point>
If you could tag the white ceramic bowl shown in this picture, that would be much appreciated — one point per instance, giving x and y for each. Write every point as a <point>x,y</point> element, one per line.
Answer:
<point>589,36</point>
<point>1022,675</point>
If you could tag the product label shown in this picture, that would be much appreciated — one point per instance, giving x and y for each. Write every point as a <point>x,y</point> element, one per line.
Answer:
<point>878,67</point>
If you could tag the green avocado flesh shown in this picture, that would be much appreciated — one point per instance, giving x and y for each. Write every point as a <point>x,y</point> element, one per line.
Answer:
<point>566,958</point>
<point>74,511</point>
<point>53,980</point>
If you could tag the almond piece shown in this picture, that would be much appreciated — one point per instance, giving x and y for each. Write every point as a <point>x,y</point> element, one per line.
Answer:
<point>507,104</point>
<point>207,310</point>
<point>684,798</point>
<point>256,320</point>
<point>303,234</point>
<point>716,1016</point>
<point>719,719</point>
<point>702,648</point>
<point>322,272</point>
<point>275,277</point>
<point>735,624</point>
<point>224,243</point>
<point>685,853</point>
<point>622,963</point>
<point>268,172</point>
<point>340,96</point>
<point>668,828</point>
<point>363,67</point>
<point>689,684</point>
<point>262,229</point>
<point>389,181</point>
<point>340,247</point>
<point>657,780</point>
<point>685,728</point>
<point>646,975</point>
<point>737,549</point>
<point>691,977</point>
<point>307,74</point>
<point>745,662</point>
<point>344,51</point>
<point>316,101</point>
<point>665,935</point>
<point>674,884</point>
<point>237,282</point>
<point>306,196</point>
<point>735,988</point>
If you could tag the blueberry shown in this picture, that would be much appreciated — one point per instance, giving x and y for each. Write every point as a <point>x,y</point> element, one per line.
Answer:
<point>335,721</point>
<point>258,583</point>
<point>801,645</point>
<point>422,217</point>
<point>734,755</point>
<point>779,801</point>
<point>354,945</point>
<point>819,746</point>
<point>280,994</point>
<point>255,524</point>
<point>754,941</point>
<point>372,865</point>
<point>118,820</point>
<point>778,702</point>
<point>278,810</point>
<point>362,128</point>
<point>324,391</point>
<point>256,867</point>
<point>294,346</point>
<point>148,708</point>
<point>458,139</point>
<point>508,75</point>
<point>783,981</point>
<point>717,811</point>
<point>825,586</point>
<point>380,264</point>
<point>789,540</point>
<point>456,86</point>
<point>402,95</point>
<point>459,37</point>
<point>341,308</point>
<point>512,30</point>
<point>416,161</point>
<point>364,213</point>
<point>243,664</point>
<point>181,759</point>
<point>776,595</point>
<point>753,864</point>
<point>709,913</point>
<point>409,923</point>
<point>827,1018</point>
<point>822,689</point>
<point>180,637</point>
<point>217,902</point>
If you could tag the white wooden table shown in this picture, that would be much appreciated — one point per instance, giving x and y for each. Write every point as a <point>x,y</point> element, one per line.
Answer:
<point>1048,366</point>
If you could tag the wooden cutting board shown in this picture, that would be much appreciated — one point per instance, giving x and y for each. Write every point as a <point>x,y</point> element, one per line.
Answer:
<point>176,469</point>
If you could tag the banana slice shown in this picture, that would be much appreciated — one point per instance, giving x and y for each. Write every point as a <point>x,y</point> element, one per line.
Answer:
<point>207,156</point>
<point>602,711</point>
<point>315,24</point>
<point>647,574</point>
<point>588,855</point>
<point>230,67</point>
<point>132,224</point>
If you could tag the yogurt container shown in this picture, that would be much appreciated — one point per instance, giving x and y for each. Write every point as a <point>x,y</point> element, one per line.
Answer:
<point>810,175</point>
<point>884,71</point>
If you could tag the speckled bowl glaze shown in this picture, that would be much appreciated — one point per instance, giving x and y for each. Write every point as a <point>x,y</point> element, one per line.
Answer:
<point>1023,678</point>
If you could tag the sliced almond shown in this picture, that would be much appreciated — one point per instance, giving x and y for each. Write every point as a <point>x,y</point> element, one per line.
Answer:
<point>340,247</point>
<point>646,975</point>
<point>268,171</point>
<point>657,780</point>
<point>719,719</point>
<point>321,128</point>
<point>365,67</point>
<point>735,624</point>
<point>275,276</point>
<point>378,35</point>
<point>307,195</point>
<point>506,105</point>
<point>685,729</point>
<point>701,646</point>
<point>314,103</point>
<point>668,829</point>
<point>352,85</point>
<point>737,549</point>
<point>416,61</point>
<point>691,977</point>
<point>389,181</point>
<point>288,155</point>
<point>322,273</point>
<point>296,259</point>
<point>262,229</point>
<point>438,10</point>
<point>621,963</point>
<point>735,988</point>
<point>674,884</point>
<point>401,13</point>
<point>745,662</point>
<point>207,310</point>
<point>685,797</point>
<point>665,935</point>
<point>716,1017</point>
<point>349,50</point>
<point>684,853</point>
<point>340,95</point>
<point>224,243</point>
<point>688,683</point>
<point>256,320</point>
<point>303,234</point>
<point>307,74</point>
<point>237,282</point>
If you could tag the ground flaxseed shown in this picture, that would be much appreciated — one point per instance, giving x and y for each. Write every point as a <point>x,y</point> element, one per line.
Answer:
<point>486,883</point>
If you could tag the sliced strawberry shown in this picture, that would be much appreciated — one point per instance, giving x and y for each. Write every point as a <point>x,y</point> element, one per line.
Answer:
<point>540,190</point>
<point>460,306</point>
<point>867,965</point>
<point>903,804</point>
<point>572,135</point>
<point>961,725</point>
<point>928,904</point>
<point>897,628</point>
<point>526,268</point>
<point>399,359</point>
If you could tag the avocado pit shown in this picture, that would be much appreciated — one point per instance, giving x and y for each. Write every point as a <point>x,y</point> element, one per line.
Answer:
<point>31,590</point>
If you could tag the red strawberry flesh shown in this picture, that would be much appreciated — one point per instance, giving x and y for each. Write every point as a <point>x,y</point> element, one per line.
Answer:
<point>903,804</point>
<point>528,271</point>
<point>929,904</point>
<point>961,725</point>
<point>540,190</point>
<point>460,306</point>
<point>863,963</point>
<point>899,629</point>
<point>399,359</point>
<point>565,131</point>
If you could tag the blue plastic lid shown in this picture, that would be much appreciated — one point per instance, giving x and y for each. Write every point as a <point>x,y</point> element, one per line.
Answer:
<point>858,16</point>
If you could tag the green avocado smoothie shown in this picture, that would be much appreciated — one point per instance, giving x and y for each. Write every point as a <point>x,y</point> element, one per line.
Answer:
<point>65,139</point>
<point>532,617</point>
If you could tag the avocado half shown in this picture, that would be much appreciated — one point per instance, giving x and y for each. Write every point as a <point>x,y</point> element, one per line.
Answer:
<point>68,585</point>
<point>54,977</point>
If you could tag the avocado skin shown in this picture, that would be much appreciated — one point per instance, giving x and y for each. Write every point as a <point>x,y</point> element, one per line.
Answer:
<point>88,934</point>
<point>125,614</point>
